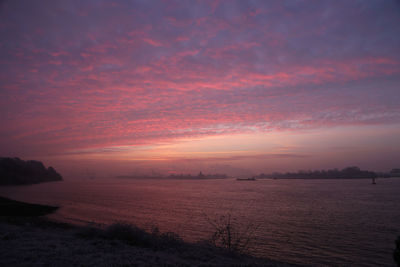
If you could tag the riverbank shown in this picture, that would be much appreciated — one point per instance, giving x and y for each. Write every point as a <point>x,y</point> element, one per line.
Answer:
<point>35,240</point>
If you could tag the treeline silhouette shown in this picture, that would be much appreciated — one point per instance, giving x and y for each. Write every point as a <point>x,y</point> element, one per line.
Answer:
<point>346,173</point>
<point>199,176</point>
<point>14,171</point>
<point>176,176</point>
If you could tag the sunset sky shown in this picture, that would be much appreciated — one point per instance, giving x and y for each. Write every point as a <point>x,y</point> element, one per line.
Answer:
<point>236,87</point>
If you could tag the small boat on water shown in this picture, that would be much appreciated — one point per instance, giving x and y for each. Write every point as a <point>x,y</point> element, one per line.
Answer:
<point>246,179</point>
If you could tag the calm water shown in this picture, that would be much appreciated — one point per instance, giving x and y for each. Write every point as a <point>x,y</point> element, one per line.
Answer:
<point>312,222</point>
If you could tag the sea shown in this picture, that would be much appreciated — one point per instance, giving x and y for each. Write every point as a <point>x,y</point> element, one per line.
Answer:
<point>334,222</point>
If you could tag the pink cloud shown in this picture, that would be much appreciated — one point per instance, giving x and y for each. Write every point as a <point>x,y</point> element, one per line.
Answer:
<point>113,76</point>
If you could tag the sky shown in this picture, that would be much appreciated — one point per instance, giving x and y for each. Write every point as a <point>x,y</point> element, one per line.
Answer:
<point>236,87</point>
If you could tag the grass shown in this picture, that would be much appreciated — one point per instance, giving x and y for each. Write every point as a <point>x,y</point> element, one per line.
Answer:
<point>119,244</point>
<point>134,236</point>
<point>122,233</point>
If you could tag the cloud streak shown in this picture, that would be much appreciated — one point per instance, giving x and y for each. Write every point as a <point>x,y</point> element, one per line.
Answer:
<point>91,75</point>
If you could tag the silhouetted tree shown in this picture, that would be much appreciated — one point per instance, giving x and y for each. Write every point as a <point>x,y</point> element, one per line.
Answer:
<point>229,234</point>
<point>14,171</point>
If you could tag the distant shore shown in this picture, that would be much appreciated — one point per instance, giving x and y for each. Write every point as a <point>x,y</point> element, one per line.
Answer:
<point>30,239</point>
<point>341,178</point>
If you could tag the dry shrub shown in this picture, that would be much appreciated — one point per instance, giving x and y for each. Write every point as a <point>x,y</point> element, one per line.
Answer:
<point>231,235</point>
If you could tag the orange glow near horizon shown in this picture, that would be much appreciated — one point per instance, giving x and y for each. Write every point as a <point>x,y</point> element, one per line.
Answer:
<point>252,152</point>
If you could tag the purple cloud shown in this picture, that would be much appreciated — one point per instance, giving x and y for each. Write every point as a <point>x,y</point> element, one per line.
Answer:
<point>94,74</point>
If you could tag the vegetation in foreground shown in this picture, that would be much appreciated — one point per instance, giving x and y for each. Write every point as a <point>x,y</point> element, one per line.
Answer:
<point>36,240</point>
<point>39,241</point>
<point>133,235</point>
<point>229,235</point>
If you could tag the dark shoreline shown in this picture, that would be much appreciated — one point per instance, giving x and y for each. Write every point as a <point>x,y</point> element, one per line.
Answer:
<point>9,207</point>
